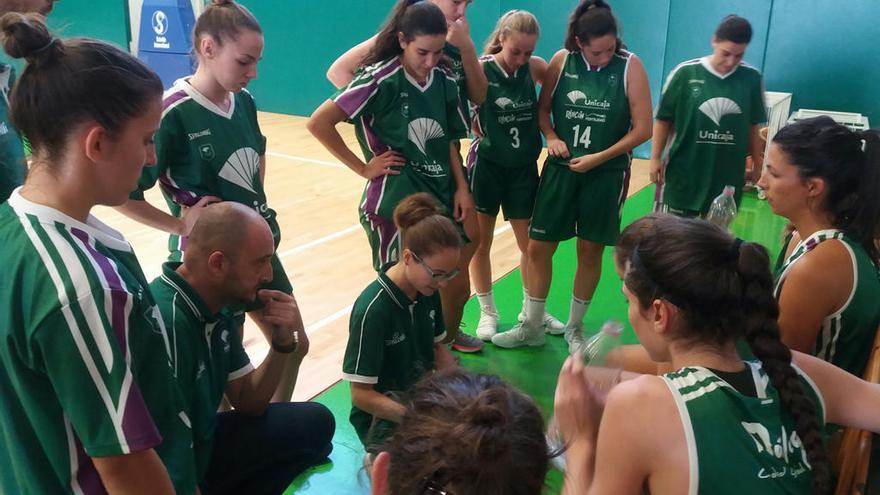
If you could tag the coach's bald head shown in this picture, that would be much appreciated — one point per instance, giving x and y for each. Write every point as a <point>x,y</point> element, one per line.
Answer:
<point>232,245</point>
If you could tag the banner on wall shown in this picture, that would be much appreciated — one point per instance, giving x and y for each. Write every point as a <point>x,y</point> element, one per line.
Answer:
<point>165,38</point>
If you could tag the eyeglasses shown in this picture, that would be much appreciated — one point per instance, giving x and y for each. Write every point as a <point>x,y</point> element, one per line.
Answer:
<point>436,277</point>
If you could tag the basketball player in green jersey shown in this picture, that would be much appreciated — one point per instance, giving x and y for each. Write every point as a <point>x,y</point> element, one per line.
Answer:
<point>12,162</point>
<point>210,146</point>
<point>408,121</point>
<point>502,158</point>
<point>396,327</point>
<point>88,400</point>
<point>707,122</point>
<point>459,48</point>
<point>598,97</point>
<point>461,54</point>
<point>718,424</point>
<point>824,178</point>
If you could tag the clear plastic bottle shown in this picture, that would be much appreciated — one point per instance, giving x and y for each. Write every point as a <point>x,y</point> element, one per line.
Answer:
<point>723,209</point>
<point>594,352</point>
<point>595,349</point>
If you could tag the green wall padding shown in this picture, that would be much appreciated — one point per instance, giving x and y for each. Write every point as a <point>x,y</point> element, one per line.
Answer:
<point>826,54</point>
<point>95,19</point>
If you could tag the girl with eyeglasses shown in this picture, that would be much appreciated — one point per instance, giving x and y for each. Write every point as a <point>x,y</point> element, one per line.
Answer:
<point>396,327</point>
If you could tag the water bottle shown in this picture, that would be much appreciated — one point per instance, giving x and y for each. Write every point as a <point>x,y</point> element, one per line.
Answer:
<point>723,208</point>
<point>594,351</point>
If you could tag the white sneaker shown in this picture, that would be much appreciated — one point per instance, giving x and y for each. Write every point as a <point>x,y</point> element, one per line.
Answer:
<point>574,335</point>
<point>518,336</point>
<point>552,325</point>
<point>487,327</point>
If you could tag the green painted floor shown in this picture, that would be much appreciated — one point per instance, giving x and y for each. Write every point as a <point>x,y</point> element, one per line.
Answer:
<point>533,370</point>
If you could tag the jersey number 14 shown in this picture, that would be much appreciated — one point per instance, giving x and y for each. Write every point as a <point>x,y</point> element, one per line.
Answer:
<point>582,139</point>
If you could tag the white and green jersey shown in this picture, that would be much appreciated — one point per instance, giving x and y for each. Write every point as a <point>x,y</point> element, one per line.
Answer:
<point>391,341</point>
<point>847,334</point>
<point>202,150</point>
<point>591,108</point>
<point>84,359</point>
<point>508,120</point>
<point>391,110</point>
<point>207,353</point>
<point>12,161</point>
<point>711,114</point>
<point>740,443</point>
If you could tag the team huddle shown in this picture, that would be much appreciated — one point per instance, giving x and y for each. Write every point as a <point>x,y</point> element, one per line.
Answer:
<point>744,370</point>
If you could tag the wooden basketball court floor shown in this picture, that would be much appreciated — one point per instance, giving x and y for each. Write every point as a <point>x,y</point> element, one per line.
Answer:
<point>323,247</point>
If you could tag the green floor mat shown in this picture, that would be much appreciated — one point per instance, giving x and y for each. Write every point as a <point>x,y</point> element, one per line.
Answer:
<point>533,370</point>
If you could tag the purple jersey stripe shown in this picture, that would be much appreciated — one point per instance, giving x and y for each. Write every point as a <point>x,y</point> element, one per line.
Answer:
<point>388,239</point>
<point>173,98</point>
<point>353,98</point>
<point>136,420</point>
<point>178,195</point>
<point>472,154</point>
<point>119,296</point>
<point>376,185</point>
<point>86,475</point>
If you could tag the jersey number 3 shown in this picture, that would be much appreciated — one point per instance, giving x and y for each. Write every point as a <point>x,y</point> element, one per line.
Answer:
<point>582,139</point>
<point>514,135</point>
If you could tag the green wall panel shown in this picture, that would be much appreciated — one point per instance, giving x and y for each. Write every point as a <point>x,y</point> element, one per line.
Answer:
<point>102,19</point>
<point>825,53</point>
<point>692,23</point>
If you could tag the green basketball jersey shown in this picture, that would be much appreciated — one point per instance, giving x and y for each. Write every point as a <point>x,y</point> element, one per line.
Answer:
<point>739,443</point>
<point>453,54</point>
<point>391,110</point>
<point>846,335</point>
<point>207,354</point>
<point>390,342</point>
<point>84,359</point>
<point>508,120</point>
<point>711,114</point>
<point>202,150</point>
<point>12,161</point>
<point>591,108</point>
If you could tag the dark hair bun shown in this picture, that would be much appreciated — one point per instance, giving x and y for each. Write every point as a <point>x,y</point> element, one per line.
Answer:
<point>26,36</point>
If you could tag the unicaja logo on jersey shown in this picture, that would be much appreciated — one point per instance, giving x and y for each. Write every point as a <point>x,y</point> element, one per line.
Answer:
<point>716,108</point>
<point>242,169</point>
<point>420,131</point>
<point>780,448</point>
<point>575,96</point>
<point>503,102</point>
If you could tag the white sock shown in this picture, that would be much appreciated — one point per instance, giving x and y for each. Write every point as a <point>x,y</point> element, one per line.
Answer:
<point>577,312</point>
<point>487,303</point>
<point>535,312</point>
<point>525,302</point>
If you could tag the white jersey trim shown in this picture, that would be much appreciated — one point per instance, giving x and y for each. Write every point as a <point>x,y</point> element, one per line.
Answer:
<point>243,371</point>
<point>101,341</point>
<point>818,392</point>
<point>357,363</point>
<point>105,234</point>
<point>370,380</point>
<point>184,85</point>
<point>693,461</point>
<point>675,70</point>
